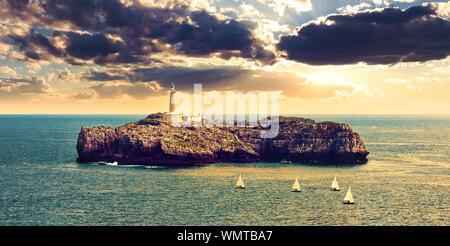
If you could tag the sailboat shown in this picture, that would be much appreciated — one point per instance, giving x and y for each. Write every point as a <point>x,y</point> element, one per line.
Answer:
<point>335,185</point>
<point>296,186</point>
<point>109,163</point>
<point>240,183</point>
<point>349,197</point>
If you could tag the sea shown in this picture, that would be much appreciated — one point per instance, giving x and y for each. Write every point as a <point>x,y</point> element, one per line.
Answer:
<point>405,182</point>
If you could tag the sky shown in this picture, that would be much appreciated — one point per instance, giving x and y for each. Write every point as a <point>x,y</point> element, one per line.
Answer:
<point>322,56</point>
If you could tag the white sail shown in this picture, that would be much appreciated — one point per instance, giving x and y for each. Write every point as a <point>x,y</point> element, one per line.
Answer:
<point>296,186</point>
<point>349,197</point>
<point>240,182</point>
<point>335,185</point>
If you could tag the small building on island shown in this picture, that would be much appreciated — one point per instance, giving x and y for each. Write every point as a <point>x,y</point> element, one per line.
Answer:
<point>178,117</point>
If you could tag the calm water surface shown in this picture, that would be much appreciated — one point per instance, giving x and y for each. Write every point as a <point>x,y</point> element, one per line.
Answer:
<point>405,182</point>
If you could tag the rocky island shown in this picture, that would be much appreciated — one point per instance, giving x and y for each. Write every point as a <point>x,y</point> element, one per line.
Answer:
<point>154,141</point>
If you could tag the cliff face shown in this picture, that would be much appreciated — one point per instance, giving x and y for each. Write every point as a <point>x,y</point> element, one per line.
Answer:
<point>153,141</point>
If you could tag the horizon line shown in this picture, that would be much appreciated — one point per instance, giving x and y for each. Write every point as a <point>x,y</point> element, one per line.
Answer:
<point>289,114</point>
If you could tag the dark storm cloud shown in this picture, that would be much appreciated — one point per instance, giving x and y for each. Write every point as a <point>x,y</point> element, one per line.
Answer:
<point>103,76</point>
<point>34,45</point>
<point>212,35</point>
<point>378,37</point>
<point>143,30</point>
<point>112,16</point>
<point>185,77</point>
<point>143,83</point>
<point>87,46</point>
<point>79,46</point>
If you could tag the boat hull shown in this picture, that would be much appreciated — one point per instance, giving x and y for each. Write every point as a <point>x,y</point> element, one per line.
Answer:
<point>334,189</point>
<point>108,164</point>
<point>348,202</point>
<point>296,190</point>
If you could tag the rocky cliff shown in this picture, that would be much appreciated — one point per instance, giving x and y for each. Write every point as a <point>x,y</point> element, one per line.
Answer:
<point>153,141</point>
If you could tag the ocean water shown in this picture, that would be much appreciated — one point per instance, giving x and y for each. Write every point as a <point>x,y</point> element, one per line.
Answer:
<point>405,182</point>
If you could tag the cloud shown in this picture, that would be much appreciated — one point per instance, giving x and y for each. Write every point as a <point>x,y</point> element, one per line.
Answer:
<point>224,78</point>
<point>231,38</point>
<point>441,8</point>
<point>33,45</point>
<point>7,70</point>
<point>280,6</point>
<point>385,36</point>
<point>404,1</point>
<point>92,75</point>
<point>127,32</point>
<point>33,66</point>
<point>139,90</point>
<point>20,85</point>
<point>353,9</point>
<point>67,76</point>
<point>381,2</point>
<point>4,48</point>
<point>249,11</point>
<point>184,77</point>
<point>85,95</point>
<point>87,46</point>
<point>400,82</point>
<point>229,12</point>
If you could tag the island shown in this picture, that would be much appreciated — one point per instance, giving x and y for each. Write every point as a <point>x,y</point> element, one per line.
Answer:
<point>155,141</point>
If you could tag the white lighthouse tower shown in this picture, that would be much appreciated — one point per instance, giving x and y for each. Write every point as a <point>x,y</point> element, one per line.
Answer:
<point>172,115</point>
<point>171,104</point>
<point>179,117</point>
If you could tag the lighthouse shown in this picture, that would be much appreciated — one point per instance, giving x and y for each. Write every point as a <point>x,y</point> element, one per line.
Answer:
<point>172,116</point>
<point>171,104</point>
<point>177,117</point>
